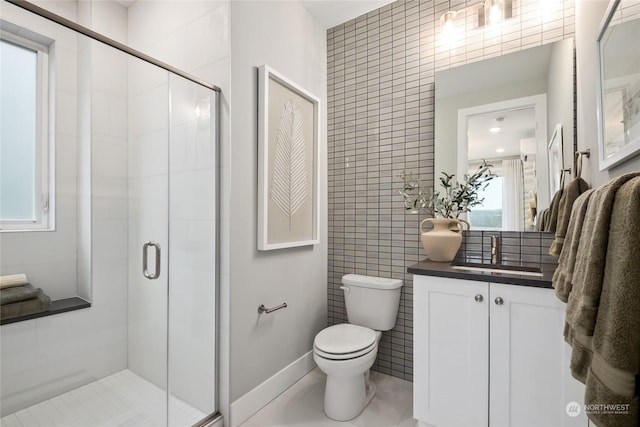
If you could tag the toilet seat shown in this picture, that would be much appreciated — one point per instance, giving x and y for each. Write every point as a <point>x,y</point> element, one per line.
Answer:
<point>344,341</point>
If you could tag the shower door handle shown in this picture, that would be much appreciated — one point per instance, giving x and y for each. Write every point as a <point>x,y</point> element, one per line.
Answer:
<point>145,257</point>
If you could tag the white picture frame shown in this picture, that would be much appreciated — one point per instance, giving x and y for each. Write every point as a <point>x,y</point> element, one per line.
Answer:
<point>288,163</point>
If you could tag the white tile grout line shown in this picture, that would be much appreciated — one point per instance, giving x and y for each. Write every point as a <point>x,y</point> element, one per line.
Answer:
<point>122,399</point>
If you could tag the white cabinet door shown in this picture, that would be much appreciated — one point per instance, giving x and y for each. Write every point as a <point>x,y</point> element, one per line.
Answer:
<point>450,351</point>
<point>530,381</point>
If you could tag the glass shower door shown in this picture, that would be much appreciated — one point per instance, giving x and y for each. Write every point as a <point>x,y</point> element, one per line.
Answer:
<point>132,171</point>
<point>148,230</point>
<point>172,240</point>
<point>192,247</point>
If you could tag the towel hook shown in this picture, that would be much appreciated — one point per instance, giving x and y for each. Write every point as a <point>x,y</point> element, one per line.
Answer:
<point>578,161</point>
<point>586,153</point>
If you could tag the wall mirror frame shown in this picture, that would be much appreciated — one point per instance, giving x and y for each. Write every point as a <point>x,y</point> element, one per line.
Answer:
<point>497,93</point>
<point>618,85</point>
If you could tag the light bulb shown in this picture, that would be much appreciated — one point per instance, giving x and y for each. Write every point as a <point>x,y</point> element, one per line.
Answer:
<point>448,31</point>
<point>495,14</point>
<point>448,26</point>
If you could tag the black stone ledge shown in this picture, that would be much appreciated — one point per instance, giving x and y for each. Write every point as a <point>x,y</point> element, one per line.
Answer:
<point>444,269</point>
<point>57,307</point>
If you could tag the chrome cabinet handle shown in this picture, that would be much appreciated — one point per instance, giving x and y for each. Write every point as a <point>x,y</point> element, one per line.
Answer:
<point>145,257</point>
<point>499,301</point>
<point>478,298</point>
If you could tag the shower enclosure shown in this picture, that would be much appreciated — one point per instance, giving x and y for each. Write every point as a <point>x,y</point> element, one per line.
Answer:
<point>125,173</point>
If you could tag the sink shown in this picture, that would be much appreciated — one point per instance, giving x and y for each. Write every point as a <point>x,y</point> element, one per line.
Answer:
<point>498,268</point>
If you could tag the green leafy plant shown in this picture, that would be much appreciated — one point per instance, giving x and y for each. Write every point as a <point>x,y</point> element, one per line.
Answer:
<point>456,197</point>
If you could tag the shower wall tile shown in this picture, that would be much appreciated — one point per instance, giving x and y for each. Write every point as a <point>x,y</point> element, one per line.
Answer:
<point>110,19</point>
<point>50,258</point>
<point>163,29</point>
<point>381,69</point>
<point>67,352</point>
<point>77,347</point>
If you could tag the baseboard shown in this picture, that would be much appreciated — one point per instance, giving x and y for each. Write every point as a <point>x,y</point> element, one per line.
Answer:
<point>256,399</point>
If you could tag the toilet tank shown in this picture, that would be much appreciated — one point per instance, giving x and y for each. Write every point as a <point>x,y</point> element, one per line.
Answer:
<point>371,301</point>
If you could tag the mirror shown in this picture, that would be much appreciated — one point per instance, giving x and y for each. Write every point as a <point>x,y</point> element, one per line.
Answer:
<point>619,84</point>
<point>556,162</point>
<point>515,111</point>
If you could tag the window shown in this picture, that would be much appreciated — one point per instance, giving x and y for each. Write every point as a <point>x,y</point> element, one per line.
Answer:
<point>24,147</point>
<point>488,216</point>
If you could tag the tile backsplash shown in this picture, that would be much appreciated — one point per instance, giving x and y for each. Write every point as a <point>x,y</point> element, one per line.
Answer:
<point>516,247</point>
<point>381,70</point>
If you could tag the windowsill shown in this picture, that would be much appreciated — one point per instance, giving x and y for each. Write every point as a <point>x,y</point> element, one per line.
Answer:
<point>57,307</point>
<point>26,230</point>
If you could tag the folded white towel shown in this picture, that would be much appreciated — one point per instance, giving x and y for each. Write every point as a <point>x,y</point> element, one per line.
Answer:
<point>12,280</point>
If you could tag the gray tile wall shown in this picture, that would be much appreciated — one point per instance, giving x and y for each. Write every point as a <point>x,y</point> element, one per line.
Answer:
<point>381,70</point>
<point>516,247</point>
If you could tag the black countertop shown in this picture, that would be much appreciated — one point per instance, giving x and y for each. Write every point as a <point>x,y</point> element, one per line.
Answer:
<point>57,307</point>
<point>445,269</point>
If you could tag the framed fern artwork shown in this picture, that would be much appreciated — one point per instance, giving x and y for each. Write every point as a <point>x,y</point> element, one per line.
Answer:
<point>288,135</point>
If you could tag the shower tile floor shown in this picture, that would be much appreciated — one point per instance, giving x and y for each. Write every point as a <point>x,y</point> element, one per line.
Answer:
<point>302,405</point>
<point>122,399</point>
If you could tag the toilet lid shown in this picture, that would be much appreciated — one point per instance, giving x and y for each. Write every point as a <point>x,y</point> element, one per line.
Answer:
<point>344,339</point>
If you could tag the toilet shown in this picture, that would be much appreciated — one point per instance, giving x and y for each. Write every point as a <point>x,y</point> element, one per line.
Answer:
<point>345,352</point>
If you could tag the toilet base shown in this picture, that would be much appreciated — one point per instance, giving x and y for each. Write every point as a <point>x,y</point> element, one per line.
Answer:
<point>348,389</point>
<point>346,397</point>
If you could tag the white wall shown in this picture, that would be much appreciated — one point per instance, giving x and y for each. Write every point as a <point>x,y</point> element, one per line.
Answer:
<point>286,37</point>
<point>560,97</point>
<point>65,8</point>
<point>44,357</point>
<point>589,14</point>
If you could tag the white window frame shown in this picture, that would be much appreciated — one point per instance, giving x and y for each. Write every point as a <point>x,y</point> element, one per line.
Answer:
<point>44,152</point>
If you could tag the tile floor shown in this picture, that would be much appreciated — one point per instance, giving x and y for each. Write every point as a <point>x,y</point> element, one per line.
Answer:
<point>122,399</point>
<point>301,405</point>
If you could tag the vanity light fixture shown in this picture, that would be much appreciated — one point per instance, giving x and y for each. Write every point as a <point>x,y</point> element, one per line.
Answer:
<point>500,150</point>
<point>496,11</point>
<point>489,12</point>
<point>493,11</point>
<point>448,25</point>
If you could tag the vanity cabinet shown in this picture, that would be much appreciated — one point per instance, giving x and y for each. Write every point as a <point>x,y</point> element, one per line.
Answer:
<point>488,354</point>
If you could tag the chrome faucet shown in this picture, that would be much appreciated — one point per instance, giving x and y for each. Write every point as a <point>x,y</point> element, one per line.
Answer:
<point>496,252</point>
